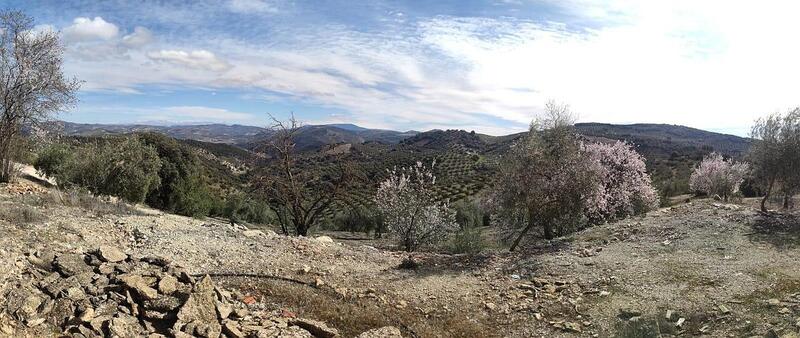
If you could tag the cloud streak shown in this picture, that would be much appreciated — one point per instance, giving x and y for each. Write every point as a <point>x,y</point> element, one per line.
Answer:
<point>680,62</point>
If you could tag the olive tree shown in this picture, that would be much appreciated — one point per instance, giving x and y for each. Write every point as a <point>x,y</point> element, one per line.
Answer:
<point>33,86</point>
<point>410,210</point>
<point>775,154</point>
<point>543,178</point>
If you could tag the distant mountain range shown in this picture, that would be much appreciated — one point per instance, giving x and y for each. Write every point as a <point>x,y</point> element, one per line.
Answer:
<point>653,140</point>
<point>310,137</point>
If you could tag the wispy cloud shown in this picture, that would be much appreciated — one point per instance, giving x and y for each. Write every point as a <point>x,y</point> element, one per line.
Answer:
<point>684,62</point>
<point>195,59</point>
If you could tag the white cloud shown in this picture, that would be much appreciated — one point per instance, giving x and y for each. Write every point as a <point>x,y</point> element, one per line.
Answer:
<point>196,59</point>
<point>251,6</point>
<point>86,29</point>
<point>684,62</point>
<point>140,37</point>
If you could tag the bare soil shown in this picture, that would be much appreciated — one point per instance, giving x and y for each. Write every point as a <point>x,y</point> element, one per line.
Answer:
<point>722,270</point>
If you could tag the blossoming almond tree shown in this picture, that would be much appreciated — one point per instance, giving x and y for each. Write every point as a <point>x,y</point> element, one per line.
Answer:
<point>410,210</point>
<point>716,176</point>
<point>623,186</point>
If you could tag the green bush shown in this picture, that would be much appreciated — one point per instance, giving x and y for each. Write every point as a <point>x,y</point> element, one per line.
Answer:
<point>358,219</point>
<point>125,167</point>
<point>149,168</point>
<point>54,161</point>
<point>240,208</point>
<point>183,189</point>
<point>466,241</point>
<point>468,214</point>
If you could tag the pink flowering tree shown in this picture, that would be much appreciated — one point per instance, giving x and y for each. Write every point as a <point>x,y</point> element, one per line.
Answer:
<point>622,185</point>
<point>718,177</point>
<point>550,181</point>
<point>410,210</point>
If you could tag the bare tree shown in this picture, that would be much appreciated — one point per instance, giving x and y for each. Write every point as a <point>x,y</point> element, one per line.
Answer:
<point>32,84</point>
<point>300,196</point>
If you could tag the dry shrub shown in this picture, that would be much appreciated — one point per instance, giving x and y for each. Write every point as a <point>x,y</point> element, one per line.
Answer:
<point>99,206</point>
<point>352,316</point>
<point>21,214</point>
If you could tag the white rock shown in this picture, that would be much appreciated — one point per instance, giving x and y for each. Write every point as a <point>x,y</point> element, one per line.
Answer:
<point>253,233</point>
<point>324,239</point>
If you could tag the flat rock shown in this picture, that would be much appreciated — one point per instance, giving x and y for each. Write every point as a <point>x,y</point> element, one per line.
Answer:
<point>253,233</point>
<point>324,239</point>
<point>111,254</point>
<point>140,285</point>
<point>168,284</point>
<point>316,328</point>
<point>230,330</point>
<point>383,332</point>
<point>71,265</point>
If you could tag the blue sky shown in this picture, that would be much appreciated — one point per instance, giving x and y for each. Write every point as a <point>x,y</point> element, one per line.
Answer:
<point>487,66</point>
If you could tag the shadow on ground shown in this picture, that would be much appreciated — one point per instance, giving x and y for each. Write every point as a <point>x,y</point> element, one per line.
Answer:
<point>781,230</point>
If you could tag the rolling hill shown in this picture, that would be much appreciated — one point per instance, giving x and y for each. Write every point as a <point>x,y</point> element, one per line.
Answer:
<point>464,159</point>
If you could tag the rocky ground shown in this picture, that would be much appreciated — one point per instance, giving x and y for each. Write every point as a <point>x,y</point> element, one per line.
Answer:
<point>698,269</point>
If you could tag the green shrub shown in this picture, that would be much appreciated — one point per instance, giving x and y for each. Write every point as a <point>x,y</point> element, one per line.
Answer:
<point>466,241</point>
<point>468,214</point>
<point>124,167</point>
<point>359,220</point>
<point>240,208</point>
<point>53,162</point>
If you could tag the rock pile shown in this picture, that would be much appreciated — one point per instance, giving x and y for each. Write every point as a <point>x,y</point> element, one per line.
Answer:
<point>109,293</point>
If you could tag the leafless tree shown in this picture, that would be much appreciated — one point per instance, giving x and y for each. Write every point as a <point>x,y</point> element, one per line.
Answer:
<point>299,196</point>
<point>32,84</point>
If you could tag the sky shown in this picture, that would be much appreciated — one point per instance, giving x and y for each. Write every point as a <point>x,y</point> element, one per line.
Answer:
<point>487,66</point>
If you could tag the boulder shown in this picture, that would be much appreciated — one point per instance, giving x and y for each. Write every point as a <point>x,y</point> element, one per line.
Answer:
<point>200,308</point>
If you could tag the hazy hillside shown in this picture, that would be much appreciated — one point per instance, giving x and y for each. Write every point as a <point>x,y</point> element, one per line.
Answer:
<point>311,137</point>
<point>664,139</point>
<point>217,133</point>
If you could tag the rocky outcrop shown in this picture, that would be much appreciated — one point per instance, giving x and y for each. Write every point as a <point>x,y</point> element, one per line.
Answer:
<point>109,293</point>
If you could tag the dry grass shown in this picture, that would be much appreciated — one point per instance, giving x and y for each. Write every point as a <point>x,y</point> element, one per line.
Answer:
<point>352,316</point>
<point>98,206</point>
<point>21,214</point>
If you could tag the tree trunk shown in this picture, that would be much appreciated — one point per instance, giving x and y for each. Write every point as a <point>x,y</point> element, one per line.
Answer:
<point>766,196</point>
<point>786,199</point>
<point>302,230</point>
<point>521,234</point>
<point>408,245</point>
<point>548,231</point>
